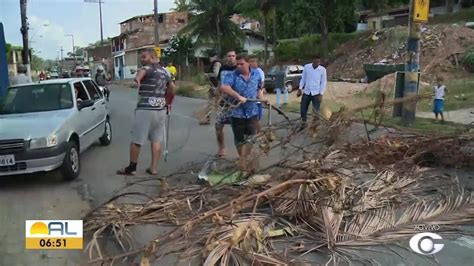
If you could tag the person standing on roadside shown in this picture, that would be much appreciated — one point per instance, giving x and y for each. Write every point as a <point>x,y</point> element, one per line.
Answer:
<point>242,84</point>
<point>213,75</point>
<point>439,94</point>
<point>153,83</point>
<point>21,77</point>
<point>253,60</point>
<point>172,70</point>
<point>223,118</point>
<point>312,86</point>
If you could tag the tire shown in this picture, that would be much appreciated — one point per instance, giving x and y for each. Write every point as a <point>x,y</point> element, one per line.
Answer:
<point>289,86</point>
<point>106,138</point>
<point>71,167</point>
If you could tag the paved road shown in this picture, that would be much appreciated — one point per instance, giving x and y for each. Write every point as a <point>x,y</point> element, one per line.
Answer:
<point>47,197</point>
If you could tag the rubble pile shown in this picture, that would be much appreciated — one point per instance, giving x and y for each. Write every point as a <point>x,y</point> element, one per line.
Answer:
<point>323,198</point>
<point>442,47</point>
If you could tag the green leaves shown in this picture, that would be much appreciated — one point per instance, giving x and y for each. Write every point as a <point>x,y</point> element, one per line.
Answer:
<point>210,23</point>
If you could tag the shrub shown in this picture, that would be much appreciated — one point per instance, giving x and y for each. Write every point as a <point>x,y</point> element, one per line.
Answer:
<point>468,61</point>
<point>199,78</point>
<point>302,48</point>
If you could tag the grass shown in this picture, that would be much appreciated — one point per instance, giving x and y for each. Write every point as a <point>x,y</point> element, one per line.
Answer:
<point>422,125</point>
<point>464,15</point>
<point>427,125</point>
<point>460,95</point>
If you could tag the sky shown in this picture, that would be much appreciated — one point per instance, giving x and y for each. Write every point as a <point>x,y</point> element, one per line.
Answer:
<point>51,20</point>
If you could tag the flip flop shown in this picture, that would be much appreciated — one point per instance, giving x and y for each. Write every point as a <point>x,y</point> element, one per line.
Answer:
<point>125,172</point>
<point>148,171</point>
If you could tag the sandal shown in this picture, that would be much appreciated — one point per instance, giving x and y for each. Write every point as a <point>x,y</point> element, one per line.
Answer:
<point>126,171</point>
<point>148,171</point>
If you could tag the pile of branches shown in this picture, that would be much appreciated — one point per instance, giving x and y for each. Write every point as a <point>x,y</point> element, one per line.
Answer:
<point>347,198</point>
<point>333,201</point>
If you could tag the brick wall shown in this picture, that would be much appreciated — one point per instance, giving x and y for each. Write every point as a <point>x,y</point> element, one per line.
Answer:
<point>170,24</point>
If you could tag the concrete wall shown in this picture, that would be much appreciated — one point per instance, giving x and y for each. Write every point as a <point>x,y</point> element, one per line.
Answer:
<point>375,23</point>
<point>254,45</point>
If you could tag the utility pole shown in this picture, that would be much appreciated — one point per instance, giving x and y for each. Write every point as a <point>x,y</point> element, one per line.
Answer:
<point>73,47</point>
<point>419,13</point>
<point>62,58</point>
<point>157,30</point>
<point>24,31</point>
<point>100,2</point>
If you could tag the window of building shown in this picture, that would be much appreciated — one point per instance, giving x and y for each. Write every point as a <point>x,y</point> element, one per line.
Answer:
<point>160,18</point>
<point>181,20</point>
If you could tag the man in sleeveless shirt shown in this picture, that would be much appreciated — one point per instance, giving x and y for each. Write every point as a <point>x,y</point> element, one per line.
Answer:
<point>153,82</point>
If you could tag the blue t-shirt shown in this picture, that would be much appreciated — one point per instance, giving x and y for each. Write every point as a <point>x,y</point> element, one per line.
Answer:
<point>246,88</point>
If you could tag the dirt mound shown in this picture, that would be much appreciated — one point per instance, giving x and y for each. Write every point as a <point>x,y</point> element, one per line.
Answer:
<point>442,47</point>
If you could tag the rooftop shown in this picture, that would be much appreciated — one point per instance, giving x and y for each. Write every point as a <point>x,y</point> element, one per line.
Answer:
<point>146,15</point>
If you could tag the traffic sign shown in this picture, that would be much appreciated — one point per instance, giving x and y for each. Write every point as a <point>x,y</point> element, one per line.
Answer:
<point>421,10</point>
<point>158,51</point>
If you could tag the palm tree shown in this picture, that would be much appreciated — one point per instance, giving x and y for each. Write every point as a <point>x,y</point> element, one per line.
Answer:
<point>210,22</point>
<point>260,9</point>
<point>181,5</point>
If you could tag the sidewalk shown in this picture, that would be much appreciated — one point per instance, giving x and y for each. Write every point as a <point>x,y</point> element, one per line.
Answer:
<point>463,116</point>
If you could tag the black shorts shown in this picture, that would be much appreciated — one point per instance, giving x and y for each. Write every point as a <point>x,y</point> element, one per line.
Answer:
<point>243,128</point>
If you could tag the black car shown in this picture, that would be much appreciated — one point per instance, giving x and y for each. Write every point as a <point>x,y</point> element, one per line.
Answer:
<point>292,77</point>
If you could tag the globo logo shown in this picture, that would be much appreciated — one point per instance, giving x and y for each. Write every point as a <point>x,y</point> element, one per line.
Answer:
<point>426,243</point>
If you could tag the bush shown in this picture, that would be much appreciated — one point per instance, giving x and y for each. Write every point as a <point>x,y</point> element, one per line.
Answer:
<point>468,61</point>
<point>200,79</point>
<point>302,48</point>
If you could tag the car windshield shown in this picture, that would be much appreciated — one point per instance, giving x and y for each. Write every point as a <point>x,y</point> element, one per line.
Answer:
<point>36,98</point>
<point>274,70</point>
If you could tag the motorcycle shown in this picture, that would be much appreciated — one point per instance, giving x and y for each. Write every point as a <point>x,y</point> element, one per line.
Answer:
<point>105,91</point>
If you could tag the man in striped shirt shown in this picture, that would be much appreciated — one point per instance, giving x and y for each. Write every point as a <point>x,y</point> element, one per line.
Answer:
<point>153,82</point>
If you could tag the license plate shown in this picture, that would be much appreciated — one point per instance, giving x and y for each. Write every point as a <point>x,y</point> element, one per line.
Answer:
<point>7,160</point>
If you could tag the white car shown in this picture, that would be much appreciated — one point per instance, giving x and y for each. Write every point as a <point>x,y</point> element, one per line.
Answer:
<point>45,126</point>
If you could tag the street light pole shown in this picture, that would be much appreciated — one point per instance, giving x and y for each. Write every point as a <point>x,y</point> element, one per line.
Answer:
<point>73,47</point>
<point>101,27</point>
<point>100,2</point>
<point>419,13</point>
<point>24,32</point>
<point>157,30</point>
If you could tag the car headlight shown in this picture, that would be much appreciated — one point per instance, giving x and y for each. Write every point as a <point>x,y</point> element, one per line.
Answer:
<point>40,143</point>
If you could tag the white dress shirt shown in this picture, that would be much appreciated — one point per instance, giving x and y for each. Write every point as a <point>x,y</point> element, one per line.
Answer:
<point>314,80</point>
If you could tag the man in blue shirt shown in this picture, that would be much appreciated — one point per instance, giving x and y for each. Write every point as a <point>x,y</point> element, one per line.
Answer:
<point>242,84</point>
<point>312,86</point>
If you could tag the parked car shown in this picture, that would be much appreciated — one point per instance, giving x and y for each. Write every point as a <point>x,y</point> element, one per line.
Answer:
<point>47,125</point>
<point>293,74</point>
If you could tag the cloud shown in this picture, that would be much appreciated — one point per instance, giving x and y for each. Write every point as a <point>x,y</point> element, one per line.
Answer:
<point>47,37</point>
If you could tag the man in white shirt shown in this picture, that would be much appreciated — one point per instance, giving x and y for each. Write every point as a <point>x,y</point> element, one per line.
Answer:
<point>22,77</point>
<point>312,86</point>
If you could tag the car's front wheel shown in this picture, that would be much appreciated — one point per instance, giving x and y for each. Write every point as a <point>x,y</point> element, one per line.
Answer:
<point>106,138</point>
<point>72,163</point>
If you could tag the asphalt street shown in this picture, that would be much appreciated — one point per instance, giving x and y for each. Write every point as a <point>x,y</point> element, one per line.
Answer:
<point>46,196</point>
